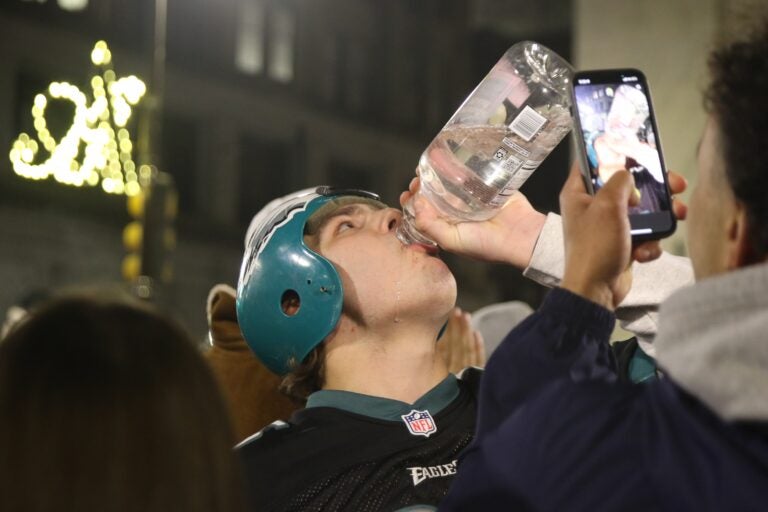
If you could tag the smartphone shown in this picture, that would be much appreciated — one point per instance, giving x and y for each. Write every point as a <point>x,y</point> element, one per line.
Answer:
<point>616,130</point>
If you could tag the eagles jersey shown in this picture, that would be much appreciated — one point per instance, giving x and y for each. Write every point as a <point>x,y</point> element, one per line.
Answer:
<point>347,451</point>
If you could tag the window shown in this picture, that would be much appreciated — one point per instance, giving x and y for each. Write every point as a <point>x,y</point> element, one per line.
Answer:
<point>265,39</point>
<point>281,36</point>
<point>249,47</point>
<point>67,5</point>
<point>73,5</point>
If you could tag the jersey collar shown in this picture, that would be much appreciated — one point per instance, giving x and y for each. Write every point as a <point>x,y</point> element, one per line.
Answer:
<point>434,400</point>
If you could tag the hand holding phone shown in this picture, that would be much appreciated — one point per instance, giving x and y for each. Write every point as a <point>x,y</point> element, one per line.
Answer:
<point>597,261</point>
<point>616,130</point>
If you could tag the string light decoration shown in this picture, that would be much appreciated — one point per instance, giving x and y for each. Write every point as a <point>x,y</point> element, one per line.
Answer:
<point>97,147</point>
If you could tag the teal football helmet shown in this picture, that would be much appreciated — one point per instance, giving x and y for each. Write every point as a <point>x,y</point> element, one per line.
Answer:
<point>278,266</point>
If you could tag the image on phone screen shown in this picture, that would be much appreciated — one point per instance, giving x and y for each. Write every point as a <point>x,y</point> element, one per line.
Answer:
<point>619,133</point>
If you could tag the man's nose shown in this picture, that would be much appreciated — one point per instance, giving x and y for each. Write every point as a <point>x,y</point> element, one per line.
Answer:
<point>389,219</point>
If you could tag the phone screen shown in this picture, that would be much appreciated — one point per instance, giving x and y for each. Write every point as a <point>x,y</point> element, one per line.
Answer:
<point>618,131</point>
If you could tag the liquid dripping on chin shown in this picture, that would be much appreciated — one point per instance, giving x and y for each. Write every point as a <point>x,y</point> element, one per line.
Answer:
<point>397,303</point>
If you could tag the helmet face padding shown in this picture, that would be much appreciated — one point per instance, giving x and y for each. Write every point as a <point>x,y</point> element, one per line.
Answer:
<point>279,265</point>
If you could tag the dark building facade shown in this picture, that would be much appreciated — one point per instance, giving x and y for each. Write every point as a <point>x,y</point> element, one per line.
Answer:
<point>260,98</point>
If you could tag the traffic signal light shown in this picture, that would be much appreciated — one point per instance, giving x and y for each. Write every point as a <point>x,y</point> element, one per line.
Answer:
<point>149,237</point>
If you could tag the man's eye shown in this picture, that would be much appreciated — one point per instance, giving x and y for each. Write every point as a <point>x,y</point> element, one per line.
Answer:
<point>344,225</point>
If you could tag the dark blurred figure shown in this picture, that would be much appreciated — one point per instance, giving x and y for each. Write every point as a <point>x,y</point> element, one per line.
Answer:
<point>107,406</point>
<point>252,391</point>
<point>21,309</point>
<point>557,430</point>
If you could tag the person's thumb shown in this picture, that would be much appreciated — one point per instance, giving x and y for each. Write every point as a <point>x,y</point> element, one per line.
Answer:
<point>621,189</point>
<point>573,191</point>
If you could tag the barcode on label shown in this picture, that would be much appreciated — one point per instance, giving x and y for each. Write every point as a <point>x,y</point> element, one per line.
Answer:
<point>527,123</point>
<point>512,164</point>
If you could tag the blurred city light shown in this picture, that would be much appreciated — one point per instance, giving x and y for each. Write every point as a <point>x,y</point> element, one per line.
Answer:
<point>73,5</point>
<point>97,147</point>
<point>67,5</point>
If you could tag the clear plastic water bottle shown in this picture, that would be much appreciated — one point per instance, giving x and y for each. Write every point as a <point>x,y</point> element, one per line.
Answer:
<point>501,133</point>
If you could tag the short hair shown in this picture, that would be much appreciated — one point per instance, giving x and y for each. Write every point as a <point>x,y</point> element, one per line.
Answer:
<point>305,377</point>
<point>738,101</point>
<point>106,405</point>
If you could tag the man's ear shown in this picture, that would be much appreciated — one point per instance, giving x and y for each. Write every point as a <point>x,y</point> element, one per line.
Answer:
<point>741,250</point>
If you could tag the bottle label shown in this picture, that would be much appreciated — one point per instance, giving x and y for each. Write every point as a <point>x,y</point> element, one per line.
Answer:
<point>519,175</point>
<point>527,123</point>
<point>516,147</point>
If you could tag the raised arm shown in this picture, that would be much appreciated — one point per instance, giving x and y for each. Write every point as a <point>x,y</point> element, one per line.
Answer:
<point>524,238</point>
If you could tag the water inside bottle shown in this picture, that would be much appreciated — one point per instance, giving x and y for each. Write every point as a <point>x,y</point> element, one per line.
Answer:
<point>501,133</point>
<point>469,172</point>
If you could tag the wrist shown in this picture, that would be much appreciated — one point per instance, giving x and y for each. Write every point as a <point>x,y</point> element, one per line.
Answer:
<point>524,241</point>
<point>597,292</point>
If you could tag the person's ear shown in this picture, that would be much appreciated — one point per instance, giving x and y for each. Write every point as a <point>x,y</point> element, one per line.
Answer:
<point>740,251</point>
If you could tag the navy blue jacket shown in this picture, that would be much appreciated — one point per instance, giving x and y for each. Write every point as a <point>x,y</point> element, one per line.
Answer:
<point>557,430</point>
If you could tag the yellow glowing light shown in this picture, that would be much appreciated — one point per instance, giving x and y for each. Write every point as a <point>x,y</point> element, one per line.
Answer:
<point>131,267</point>
<point>136,205</point>
<point>132,188</point>
<point>87,154</point>
<point>101,54</point>
<point>132,235</point>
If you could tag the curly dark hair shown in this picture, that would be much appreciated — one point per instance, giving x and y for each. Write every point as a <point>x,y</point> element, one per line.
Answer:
<point>738,99</point>
<point>305,377</point>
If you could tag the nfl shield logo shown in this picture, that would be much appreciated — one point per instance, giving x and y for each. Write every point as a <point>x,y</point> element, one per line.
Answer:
<point>419,423</point>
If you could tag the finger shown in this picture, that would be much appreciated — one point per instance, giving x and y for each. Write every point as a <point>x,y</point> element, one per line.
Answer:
<point>471,350</point>
<point>573,188</point>
<point>479,349</point>
<point>456,323</point>
<point>466,324</point>
<point>464,340</point>
<point>453,322</point>
<point>431,224</point>
<point>413,188</point>
<point>404,197</point>
<point>677,183</point>
<point>646,251</point>
<point>680,209</point>
<point>575,182</point>
<point>621,187</point>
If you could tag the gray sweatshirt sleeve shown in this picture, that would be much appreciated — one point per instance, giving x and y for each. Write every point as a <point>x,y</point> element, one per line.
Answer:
<point>651,282</point>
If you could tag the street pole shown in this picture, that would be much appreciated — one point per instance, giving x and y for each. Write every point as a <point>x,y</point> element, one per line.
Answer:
<point>159,184</point>
<point>151,126</point>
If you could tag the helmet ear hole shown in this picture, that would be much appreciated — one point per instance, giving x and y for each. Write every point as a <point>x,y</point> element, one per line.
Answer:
<point>290,302</point>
